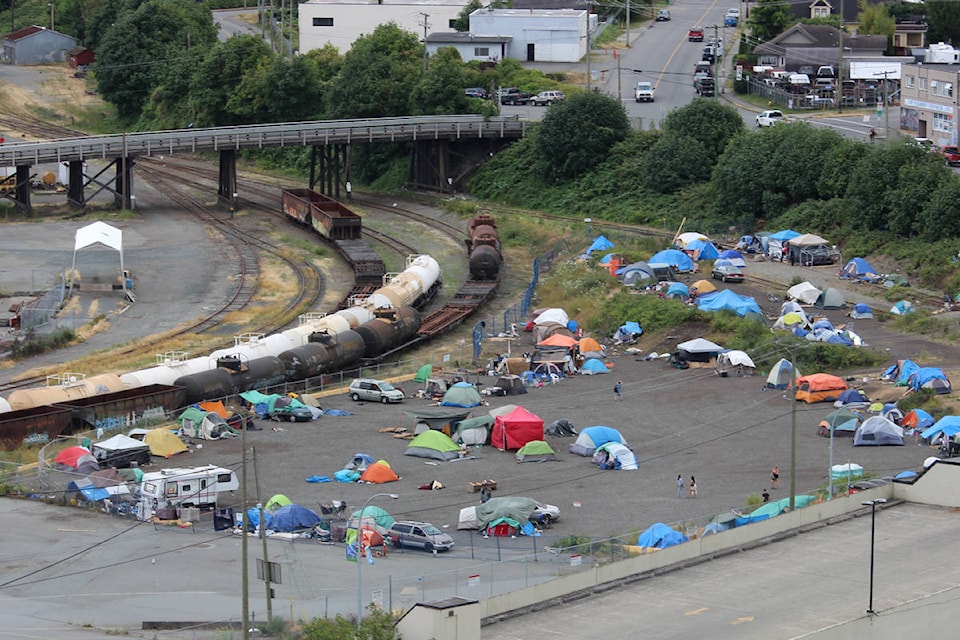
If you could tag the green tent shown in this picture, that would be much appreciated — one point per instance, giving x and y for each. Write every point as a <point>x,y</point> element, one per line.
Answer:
<point>535,451</point>
<point>433,444</point>
<point>277,502</point>
<point>423,373</point>
<point>373,517</point>
<point>194,414</point>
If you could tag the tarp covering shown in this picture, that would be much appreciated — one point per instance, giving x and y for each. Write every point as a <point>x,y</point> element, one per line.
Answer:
<point>293,517</point>
<point>558,316</point>
<point>702,250</point>
<point>600,243</point>
<point>861,311</point>
<point>785,235</point>
<point>673,258</point>
<point>900,372</point>
<point>423,373</point>
<point>516,429</point>
<point>902,308</point>
<point>804,292</point>
<point>929,378</point>
<point>947,425</point>
<point>877,430</point>
<point>660,536</point>
<point>727,300</point>
<point>734,257</point>
<point>433,444</point>
<point>592,437</point>
<point>620,455</point>
<point>699,345</point>
<point>516,509</point>
<point>734,362</point>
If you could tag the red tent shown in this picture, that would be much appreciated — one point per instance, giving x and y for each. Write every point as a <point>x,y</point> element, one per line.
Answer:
<point>70,456</point>
<point>516,429</point>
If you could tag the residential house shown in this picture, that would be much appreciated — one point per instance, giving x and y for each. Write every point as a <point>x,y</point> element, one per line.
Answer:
<point>928,96</point>
<point>816,45</point>
<point>910,33</point>
<point>36,45</point>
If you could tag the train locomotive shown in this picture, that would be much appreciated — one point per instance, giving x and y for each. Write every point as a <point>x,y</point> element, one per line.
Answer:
<point>483,247</point>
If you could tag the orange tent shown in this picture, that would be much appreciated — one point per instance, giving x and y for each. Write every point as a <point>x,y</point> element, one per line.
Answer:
<point>215,407</point>
<point>703,286</point>
<point>557,340</point>
<point>820,387</point>
<point>588,345</point>
<point>378,473</point>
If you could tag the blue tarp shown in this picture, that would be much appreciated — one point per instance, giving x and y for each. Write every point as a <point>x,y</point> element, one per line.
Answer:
<point>674,258</point>
<point>785,235</point>
<point>726,299</point>
<point>861,311</point>
<point>703,250</point>
<point>735,257</point>
<point>85,487</point>
<point>660,536</point>
<point>900,372</point>
<point>924,419</point>
<point>600,243</point>
<point>922,377</point>
<point>950,425</point>
<point>293,517</point>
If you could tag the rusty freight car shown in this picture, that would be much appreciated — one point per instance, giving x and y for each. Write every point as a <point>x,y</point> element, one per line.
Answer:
<point>328,217</point>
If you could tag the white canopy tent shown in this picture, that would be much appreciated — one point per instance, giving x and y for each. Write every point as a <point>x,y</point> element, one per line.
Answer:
<point>102,234</point>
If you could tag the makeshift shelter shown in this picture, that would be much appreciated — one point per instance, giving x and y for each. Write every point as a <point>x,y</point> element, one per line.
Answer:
<point>687,237</point>
<point>733,257</point>
<point>442,419</point>
<point>293,517</point>
<point>516,429</point>
<point>423,374</point>
<point>727,300</point>
<point>203,425</point>
<point>677,291</point>
<point>554,315</point>
<point>591,438</point>
<point>947,425</point>
<point>593,366</point>
<point>637,274</point>
<point>891,280</point>
<point>877,430</point>
<point>276,502</point>
<point>784,236</point>
<point>782,375</point>
<point>627,332</point>
<point>734,363</point>
<point>164,443</point>
<point>462,394</point>
<point>511,510</point>
<point>378,473</point>
<point>433,444</point>
<point>372,517</point>
<point>561,428</point>
<point>102,234</point>
<point>900,372</point>
<point>861,311</point>
<point>804,293</point>
<point>698,350</point>
<point>473,431</point>
<point>830,299</point>
<point>902,308</point>
<point>557,340</point>
<point>819,387</point>
<point>536,451</point>
<point>121,451</point>
<point>860,269</point>
<point>702,250</point>
<point>791,321</point>
<point>614,455</point>
<point>702,287</point>
<point>672,258</point>
<point>929,378</point>
<point>660,536</point>
<point>917,419</point>
<point>508,385</point>
<point>842,422</point>
<point>792,306</point>
<point>83,489</point>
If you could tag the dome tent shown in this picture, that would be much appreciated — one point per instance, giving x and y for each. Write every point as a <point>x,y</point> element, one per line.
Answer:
<point>830,299</point>
<point>782,375</point>
<point>592,437</point>
<point>878,431</point>
<point>536,451</point>
<point>461,394</point>
<point>433,444</point>
<point>862,311</point>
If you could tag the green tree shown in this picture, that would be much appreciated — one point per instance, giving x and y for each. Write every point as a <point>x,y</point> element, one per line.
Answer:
<point>376,625</point>
<point>329,61</point>
<point>377,75</point>
<point>140,43</point>
<point>916,184</point>
<point>939,217</point>
<point>874,19</point>
<point>712,123</point>
<point>169,104</point>
<point>943,21</point>
<point>575,135</point>
<point>837,164</point>
<point>218,77</point>
<point>462,22</point>
<point>440,90</point>
<point>768,19</point>
<point>871,180</point>
<point>675,161</point>
<point>279,90</point>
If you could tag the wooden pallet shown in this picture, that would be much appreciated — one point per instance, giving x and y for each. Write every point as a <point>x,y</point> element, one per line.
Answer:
<point>477,485</point>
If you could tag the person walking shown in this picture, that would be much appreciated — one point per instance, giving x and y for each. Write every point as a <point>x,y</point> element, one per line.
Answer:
<point>617,389</point>
<point>765,495</point>
<point>774,476</point>
<point>693,487</point>
<point>679,486</point>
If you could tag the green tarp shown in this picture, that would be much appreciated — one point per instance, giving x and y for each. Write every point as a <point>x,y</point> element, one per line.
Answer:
<point>516,509</point>
<point>423,373</point>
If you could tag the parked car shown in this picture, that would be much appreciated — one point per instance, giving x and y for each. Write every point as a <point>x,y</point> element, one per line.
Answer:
<point>546,98</point>
<point>477,92</point>
<point>770,117</point>
<point>418,535</point>
<point>374,391</point>
<point>695,34</point>
<point>705,86</point>
<point>663,15</point>
<point>732,17</point>
<point>513,95</point>
<point>727,273</point>
<point>292,414</point>
<point>951,153</point>
<point>545,514</point>
<point>644,92</point>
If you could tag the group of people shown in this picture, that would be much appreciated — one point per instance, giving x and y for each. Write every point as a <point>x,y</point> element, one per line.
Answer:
<point>774,483</point>
<point>692,488</point>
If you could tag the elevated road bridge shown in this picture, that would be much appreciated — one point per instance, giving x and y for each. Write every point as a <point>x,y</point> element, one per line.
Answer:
<point>434,163</point>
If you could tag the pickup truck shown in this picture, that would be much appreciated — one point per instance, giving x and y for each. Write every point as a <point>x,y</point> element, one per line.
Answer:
<point>513,95</point>
<point>695,34</point>
<point>644,92</point>
<point>705,86</point>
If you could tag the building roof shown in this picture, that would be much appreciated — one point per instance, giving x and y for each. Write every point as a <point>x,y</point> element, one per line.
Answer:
<point>465,38</point>
<point>550,4</point>
<point>820,36</point>
<point>23,33</point>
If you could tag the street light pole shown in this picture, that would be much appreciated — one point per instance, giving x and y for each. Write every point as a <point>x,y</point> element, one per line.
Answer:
<point>873,528</point>
<point>393,496</point>
<point>793,435</point>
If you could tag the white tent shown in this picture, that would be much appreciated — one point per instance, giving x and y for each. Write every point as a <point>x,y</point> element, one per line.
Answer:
<point>699,345</point>
<point>552,315</point>
<point>808,240</point>
<point>804,292</point>
<point>688,236</point>
<point>100,233</point>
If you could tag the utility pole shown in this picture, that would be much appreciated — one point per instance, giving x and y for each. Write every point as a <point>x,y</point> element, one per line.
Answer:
<point>426,25</point>
<point>628,23</point>
<point>244,571</point>
<point>588,45</point>
<point>840,66</point>
<point>716,60</point>
<point>263,538</point>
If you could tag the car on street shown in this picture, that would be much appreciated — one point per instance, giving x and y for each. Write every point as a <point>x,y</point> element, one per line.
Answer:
<point>732,17</point>
<point>951,153</point>
<point>695,34</point>
<point>374,391</point>
<point>413,534</point>
<point>477,92</point>
<point>770,117</point>
<point>727,273</point>
<point>513,95</point>
<point>644,92</point>
<point>663,15</point>
<point>705,86</point>
<point>546,98</point>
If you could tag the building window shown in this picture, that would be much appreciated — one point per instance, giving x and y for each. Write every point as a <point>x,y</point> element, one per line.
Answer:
<point>452,24</point>
<point>923,84</point>
<point>481,52</point>
<point>323,22</point>
<point>911,82</point>
<point>821,12</point>
<point>942,122</point>
<point>942,89</point>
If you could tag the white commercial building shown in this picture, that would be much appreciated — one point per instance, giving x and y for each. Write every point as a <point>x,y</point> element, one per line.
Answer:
<point>536,35</point>
<point>340,23</point>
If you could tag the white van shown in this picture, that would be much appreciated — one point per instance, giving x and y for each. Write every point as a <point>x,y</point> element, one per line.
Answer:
<point>184,487</point>
<point>798,79</point>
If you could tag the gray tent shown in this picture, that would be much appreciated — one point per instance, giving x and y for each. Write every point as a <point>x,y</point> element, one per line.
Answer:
<point>830,299</point>
<point>878,431</point>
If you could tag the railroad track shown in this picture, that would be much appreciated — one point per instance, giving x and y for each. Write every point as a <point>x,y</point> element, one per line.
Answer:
<point>37,127</point>
<point>32,381</point>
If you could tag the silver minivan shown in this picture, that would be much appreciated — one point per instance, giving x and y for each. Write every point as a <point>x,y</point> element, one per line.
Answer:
<point>419,535</point>
<point>374,391</point>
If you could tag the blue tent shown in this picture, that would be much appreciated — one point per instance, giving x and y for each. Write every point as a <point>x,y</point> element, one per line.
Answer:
<point>293,517</point>
<point>862,311</point>
<point>600,243</point>
<point>594,366</point>
<point>858,268</point>
<point>734,257</point>
<point>660,536</point>
<point>592,437</point>
<point>673,258</point>
<point>902,308</point>
<point>726,299</point>
<point>606,259</point>
<point>929,378</point>
<point>678,290</point>
<point>703,250</point>
<point>851,396</point>
<point>949,425</point>
<point>785,235</point>
<point>900,372</point>
<point>90,493</point>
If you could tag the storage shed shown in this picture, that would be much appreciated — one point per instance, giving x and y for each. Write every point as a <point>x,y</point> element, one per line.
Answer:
<point>36,45</point>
